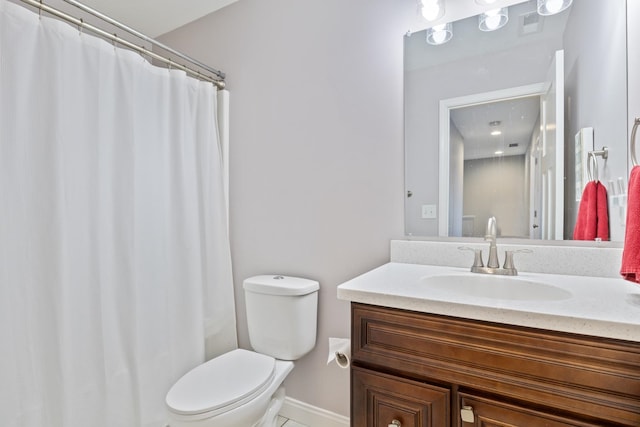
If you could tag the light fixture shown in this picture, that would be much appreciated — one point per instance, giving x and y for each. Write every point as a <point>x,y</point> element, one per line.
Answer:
<point>486,2</point>
<point>499,152</point>
<point>432,10</point>
<point>493,19</point>
<point>551,7</point>
<point>439,34</point>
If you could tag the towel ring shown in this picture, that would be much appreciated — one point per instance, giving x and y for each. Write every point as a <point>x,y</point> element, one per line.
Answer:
<point>604,153</point>
<point>590,169</point>
<point>632,147</point>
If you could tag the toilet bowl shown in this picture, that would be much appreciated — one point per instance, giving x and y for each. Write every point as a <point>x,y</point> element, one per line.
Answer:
<point>238,389</point>
<point>243,388</point>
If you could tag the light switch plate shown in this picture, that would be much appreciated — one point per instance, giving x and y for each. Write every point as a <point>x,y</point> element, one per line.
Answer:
<point>429,212</point>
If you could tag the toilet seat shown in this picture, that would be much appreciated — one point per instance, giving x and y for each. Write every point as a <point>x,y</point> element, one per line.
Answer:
<point>222,384</point>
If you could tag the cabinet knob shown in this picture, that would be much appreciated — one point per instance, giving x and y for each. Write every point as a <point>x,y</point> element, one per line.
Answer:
<point>395,423</point>
<point>466,413</point>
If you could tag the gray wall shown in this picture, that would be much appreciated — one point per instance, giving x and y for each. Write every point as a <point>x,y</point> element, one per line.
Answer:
<point>494,187</point>
<point>316,151</point>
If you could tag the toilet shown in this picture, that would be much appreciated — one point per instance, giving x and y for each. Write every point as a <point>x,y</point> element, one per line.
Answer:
<point>243,388</point>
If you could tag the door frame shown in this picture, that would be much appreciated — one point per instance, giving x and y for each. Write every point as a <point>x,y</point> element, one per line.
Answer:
<point>446,105</point>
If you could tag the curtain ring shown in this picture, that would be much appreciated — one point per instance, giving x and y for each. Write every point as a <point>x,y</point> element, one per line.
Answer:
<point>80,27</point>
<point>143,53</point>
<point>40,10</point>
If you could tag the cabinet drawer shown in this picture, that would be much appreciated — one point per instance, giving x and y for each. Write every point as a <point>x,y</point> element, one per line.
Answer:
<point>488,412</point>
<point>590,376</point>
<point>378,399</point>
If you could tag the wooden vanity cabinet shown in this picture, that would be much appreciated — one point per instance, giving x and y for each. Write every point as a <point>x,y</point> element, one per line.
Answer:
<point>423,370</point>
<point>385,398</point>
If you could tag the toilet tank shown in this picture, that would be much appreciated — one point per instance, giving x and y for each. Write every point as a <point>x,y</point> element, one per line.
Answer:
<point>282,315</point>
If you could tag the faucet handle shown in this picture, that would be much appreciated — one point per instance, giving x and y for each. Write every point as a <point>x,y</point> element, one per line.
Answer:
<point>508,258</point>
<point>477,260</point>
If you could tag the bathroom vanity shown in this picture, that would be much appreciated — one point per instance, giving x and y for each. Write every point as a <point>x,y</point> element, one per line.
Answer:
<point>431,355</point>
<point>432,370</point>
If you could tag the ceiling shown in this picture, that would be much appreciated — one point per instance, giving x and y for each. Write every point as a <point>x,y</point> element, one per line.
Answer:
<point>156,17</point>
<point>517,120</point>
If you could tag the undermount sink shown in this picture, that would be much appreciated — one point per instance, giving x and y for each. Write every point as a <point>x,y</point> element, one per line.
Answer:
<point>495,287</point>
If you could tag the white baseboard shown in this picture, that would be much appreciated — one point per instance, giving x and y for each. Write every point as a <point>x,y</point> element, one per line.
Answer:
<point>312,416</point>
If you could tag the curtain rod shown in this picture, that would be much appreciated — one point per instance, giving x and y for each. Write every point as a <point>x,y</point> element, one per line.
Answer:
<point>138,34</point>
<point>218,80</point>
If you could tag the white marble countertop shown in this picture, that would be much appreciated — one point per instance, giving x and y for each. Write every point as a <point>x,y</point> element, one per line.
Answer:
<point>597,306</point>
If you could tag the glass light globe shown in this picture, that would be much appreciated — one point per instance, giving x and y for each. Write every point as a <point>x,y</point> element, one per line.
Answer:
<point>493,19</point>
<point>554,6</point>
<point>551,7</point>
<point>439,34</point>
<point>432,9</point>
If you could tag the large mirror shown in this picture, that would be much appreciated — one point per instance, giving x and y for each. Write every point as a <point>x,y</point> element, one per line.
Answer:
<point>500,123</point>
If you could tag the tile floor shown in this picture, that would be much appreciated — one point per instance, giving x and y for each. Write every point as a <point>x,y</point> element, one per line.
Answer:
<point>284,422</point>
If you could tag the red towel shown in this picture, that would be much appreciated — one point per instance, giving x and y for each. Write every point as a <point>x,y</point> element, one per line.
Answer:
<point>593,216</point>
<point>630,269</point>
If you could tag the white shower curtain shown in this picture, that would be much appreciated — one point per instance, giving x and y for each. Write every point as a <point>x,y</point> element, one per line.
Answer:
<point>115,269</point>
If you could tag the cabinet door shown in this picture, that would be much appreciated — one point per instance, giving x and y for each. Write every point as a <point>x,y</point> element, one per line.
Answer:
<point>493,413</point>
<point>378,399</point>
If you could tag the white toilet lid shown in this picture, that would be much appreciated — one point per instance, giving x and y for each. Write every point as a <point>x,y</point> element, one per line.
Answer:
<point>228,380</point>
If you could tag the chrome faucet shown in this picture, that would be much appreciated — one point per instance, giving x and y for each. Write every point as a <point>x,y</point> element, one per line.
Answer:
<point>490,236</point>
<point>493,264</point>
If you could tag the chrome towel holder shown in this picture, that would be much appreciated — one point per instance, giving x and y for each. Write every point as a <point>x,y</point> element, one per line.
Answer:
<point>632,147</point>
<point>604,153</point>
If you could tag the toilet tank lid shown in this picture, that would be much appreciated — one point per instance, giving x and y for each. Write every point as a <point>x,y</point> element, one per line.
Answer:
<point>274,284</point>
